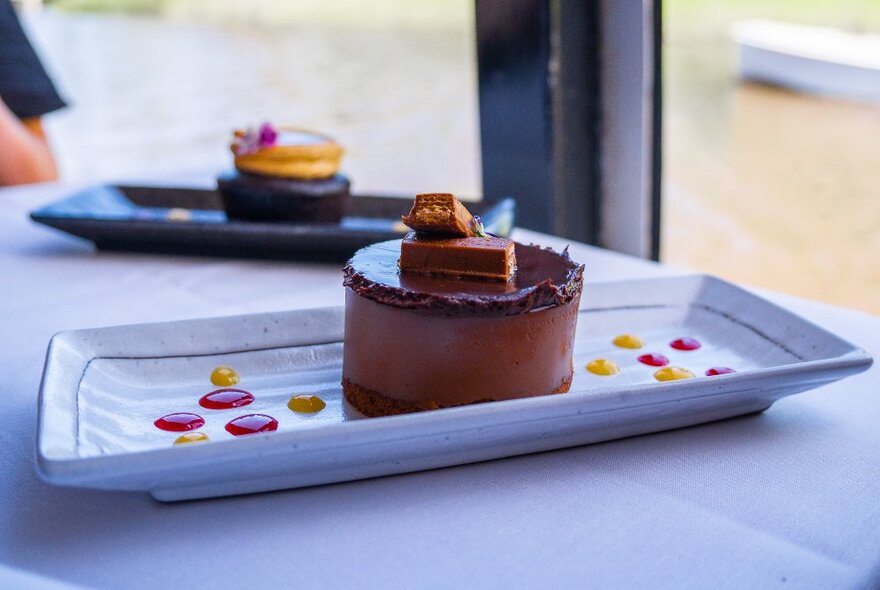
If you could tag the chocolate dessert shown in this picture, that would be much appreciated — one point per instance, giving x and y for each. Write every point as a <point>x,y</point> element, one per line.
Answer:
<point>442,319</point>
<point>284,175</point>
<point>262,198</point>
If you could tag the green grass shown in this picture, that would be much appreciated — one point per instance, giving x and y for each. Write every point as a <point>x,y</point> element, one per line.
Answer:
<point>688,15</point>
<point>706,17</point>
<point>359,14</point>
<point>118,6</point>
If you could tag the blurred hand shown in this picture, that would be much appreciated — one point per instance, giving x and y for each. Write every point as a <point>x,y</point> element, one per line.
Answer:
<point>25,155</point>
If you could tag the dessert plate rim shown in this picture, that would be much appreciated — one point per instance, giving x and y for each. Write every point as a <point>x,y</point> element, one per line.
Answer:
<point>131,217</point>
<point>157,470</point>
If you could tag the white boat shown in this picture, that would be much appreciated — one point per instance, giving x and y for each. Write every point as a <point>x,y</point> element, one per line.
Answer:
<point>817,60</point>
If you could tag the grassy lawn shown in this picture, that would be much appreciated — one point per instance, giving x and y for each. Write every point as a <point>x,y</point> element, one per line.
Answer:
<point>708,17</point>
<point>120,6</point>
<point>352,14</point>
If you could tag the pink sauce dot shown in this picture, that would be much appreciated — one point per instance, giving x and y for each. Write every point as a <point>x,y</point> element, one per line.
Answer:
<point>685,344</point>
<point>180,422</point>
<point>224,399</point>
<point>654,360</point>
<point>719,371</point>
<point>251,424</point>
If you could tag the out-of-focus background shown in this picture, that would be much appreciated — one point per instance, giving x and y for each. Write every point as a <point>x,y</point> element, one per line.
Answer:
<point>156,86</point>
<point>762,185</point>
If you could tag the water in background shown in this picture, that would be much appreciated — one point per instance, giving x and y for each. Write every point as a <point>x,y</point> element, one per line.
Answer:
<point>159,95</point>
<point>762,186</point>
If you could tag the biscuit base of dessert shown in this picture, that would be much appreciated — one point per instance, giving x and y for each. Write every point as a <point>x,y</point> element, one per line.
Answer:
<point>406,360</point>
<point>263,198</point>
<point>373,404</point>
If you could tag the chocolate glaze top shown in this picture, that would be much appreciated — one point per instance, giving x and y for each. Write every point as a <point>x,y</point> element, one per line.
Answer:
<point>543,278</point>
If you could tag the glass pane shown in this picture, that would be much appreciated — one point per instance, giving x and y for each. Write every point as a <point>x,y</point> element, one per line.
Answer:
<point>766,185</point>
<point>156,87</point>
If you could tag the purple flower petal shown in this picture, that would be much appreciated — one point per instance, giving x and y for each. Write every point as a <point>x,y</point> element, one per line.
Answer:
<point>268,135</point>
<point>252,140</point>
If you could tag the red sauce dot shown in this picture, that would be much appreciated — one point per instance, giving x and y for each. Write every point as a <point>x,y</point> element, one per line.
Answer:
<point>252,424</point>
<point>223,399</point>
<point>179,422</point>
<point>685,344</point>
<point>719,371</point>
<point>654,360</point>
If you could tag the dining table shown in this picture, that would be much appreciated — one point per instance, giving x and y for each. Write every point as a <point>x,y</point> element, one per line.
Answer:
<point>786,498</point>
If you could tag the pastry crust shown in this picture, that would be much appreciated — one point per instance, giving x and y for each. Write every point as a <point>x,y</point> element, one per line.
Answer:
<point>307,161</point>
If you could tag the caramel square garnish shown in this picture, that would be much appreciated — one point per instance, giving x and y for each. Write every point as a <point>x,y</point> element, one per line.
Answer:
<point>491,257</point>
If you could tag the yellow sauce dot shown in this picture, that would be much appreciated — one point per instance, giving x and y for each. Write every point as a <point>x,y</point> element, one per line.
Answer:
<point>224,377</point>
<point>603,367</point>
<point>191,437</point>
<point>628,341</point>
<point>672,373</point>
<point>306,404</point>
<point>178,214</point>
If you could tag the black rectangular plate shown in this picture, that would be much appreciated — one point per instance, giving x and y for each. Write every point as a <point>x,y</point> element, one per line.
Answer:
<point>188,221</point>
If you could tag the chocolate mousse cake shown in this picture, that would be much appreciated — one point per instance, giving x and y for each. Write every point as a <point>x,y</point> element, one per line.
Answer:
<point>451,316</point>
<point>284,174</point>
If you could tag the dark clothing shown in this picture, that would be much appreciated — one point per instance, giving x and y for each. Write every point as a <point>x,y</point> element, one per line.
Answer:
<point>25,86</point>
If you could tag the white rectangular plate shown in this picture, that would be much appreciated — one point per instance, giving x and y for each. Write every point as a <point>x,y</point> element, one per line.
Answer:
<point>103,388</point>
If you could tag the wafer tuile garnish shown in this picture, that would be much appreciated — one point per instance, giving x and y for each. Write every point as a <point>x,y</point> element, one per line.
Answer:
<point>440,213</point>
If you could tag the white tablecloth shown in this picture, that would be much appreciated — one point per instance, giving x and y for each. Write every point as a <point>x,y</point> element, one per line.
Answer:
<point>789,498</point>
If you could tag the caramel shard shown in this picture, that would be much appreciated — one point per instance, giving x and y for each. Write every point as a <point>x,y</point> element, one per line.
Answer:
<point>491,258</point>
<point>440,213</point>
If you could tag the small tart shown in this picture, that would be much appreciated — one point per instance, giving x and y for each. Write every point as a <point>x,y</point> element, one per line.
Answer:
<point>297,153</point>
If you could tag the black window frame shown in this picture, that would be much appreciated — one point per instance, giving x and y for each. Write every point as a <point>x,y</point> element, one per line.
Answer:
<point>541,115</point>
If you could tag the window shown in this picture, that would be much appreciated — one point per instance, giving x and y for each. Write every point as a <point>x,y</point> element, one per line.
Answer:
<point>765,185</point>
<point>157,90</point>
